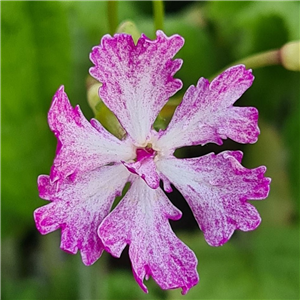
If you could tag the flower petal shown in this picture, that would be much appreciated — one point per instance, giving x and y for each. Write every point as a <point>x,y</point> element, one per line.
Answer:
<point>145,167</point>
<point>217,188</point>
<point>78,207</point>
<point>137,80</point>
<point>82,146</point>
<point>206,113</point>
<point>141,220</point>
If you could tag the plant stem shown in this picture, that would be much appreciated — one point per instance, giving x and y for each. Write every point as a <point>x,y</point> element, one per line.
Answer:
<point>112,12</point>
<point>268,58</point>
<point>158,11</point>
<point>85,281</point>
<point>263,59</point>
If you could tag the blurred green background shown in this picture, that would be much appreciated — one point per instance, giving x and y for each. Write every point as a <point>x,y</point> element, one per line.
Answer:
<point>46,44</point>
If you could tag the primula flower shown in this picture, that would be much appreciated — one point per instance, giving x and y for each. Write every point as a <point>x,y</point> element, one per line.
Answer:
<point>92,166</point>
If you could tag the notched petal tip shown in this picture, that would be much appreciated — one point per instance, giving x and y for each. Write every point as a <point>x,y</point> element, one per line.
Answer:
<point>232,83</point>
<point>43,182</point>
<point>177,40</point>
<point>237,72</point>
<point>140,281</point>
<point>166,183</point>
<point>44,220</point>
<point>263,186</point>
<point>237,154</point>
<point>89,258</point>
<point>60,92</point>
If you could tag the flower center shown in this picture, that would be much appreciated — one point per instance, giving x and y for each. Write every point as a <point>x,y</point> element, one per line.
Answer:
<point>143,153</point>
<point>144,166</point>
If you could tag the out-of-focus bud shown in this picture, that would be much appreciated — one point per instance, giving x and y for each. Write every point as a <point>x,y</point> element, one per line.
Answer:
<point>100,110</point>
<point>290,56</point>
<point>92,94</point>
<point>130,28</point>
<point>166,113</point>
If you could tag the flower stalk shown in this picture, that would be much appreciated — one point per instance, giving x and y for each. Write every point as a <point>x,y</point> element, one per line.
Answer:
<point>158,11</point>
<point>288,56</point>
<point>112,13</point>
<point>263,59</point>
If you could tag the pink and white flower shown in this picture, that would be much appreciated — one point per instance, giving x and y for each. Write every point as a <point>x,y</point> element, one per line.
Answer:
<point>92,166</point>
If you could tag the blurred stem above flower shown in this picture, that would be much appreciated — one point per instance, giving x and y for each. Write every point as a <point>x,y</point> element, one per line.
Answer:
<point>158,11</point>
<point>100,110</point>
<point>288,56</point>
<point>112,13</point>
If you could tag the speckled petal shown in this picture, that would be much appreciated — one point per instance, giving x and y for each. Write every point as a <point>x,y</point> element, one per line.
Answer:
<point>82,146</point>
<point>141,220</point>
<point>217,188</point>
<point>145,167</point>
<point>206,113</point>
<point>78,207</point>
<point>137,80</point>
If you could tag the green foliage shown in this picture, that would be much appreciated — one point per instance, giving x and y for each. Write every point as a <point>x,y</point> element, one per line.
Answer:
<point>35,62</point>
<point>291,133</point>
<point>253,26</point>
<point>279,208</point>
<point>198,53</point>
<point>257,265</point>
<point>46,44</point>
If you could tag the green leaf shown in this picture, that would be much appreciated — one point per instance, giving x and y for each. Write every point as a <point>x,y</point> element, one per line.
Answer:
<point>263,264</point>
<point>122,285</point>
<point>276,94</point>
<point>35,61</point>
<point>271,151</point>
<point>291,138</point>
<point>277,262</point>
<point>198,52</point>
<point>246,27</point>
